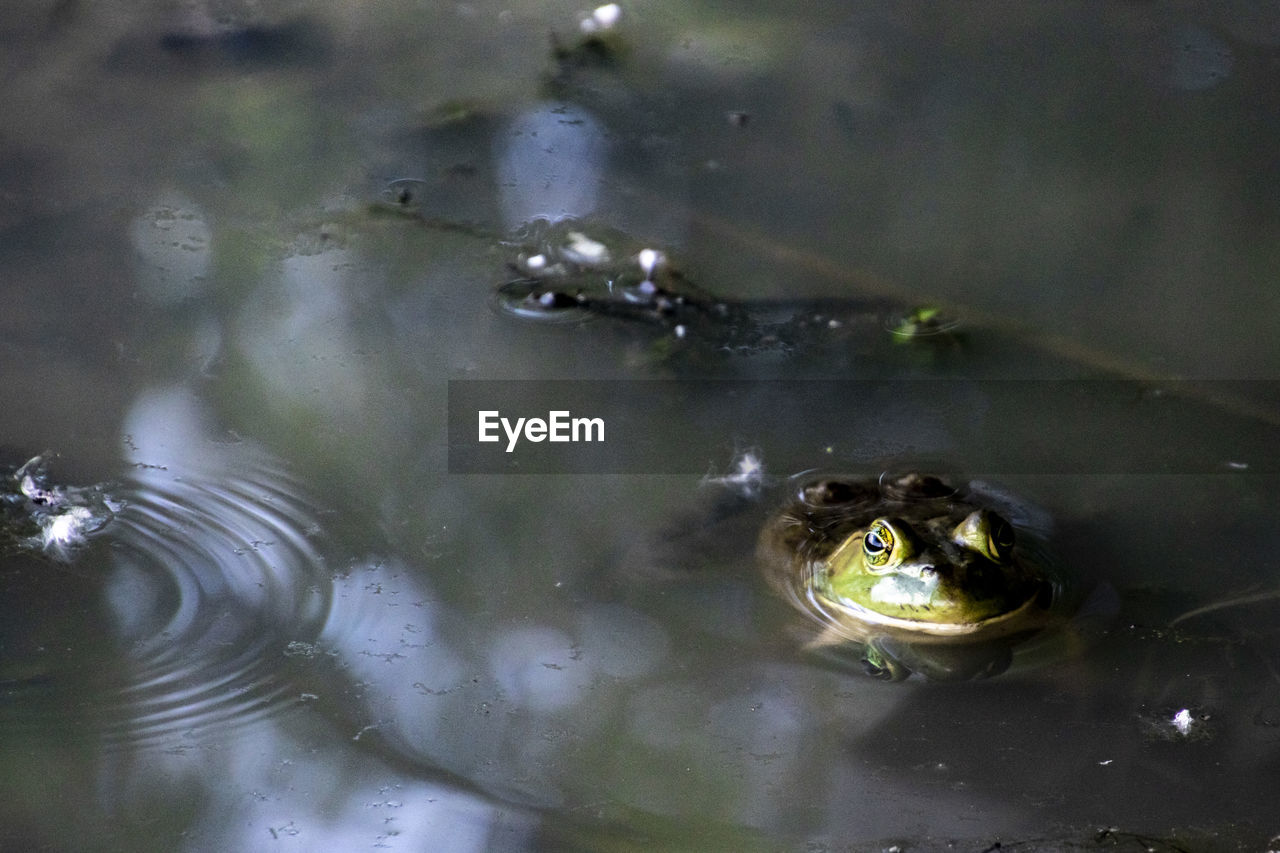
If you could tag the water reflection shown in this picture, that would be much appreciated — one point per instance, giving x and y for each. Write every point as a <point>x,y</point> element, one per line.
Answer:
<point>551,160</point>
<point>171,241</point>
<point>488,638</point>
<point>492,702</point>
<point>175,660</point>
<point>298,332</point>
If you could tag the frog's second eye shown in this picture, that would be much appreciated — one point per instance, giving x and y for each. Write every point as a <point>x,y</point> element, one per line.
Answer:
<point>988,534</point>
<point>1001,537</point>
<point>879,544</point>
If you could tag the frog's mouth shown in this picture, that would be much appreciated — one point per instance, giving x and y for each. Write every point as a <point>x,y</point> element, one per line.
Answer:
<point>993,627</point>
<point>903,590</point>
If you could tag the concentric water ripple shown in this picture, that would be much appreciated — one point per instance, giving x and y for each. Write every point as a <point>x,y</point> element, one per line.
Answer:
<point>211,583</point>
<point>177,620</point>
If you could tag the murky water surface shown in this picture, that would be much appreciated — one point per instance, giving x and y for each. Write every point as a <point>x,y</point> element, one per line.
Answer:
<point>245,248</point>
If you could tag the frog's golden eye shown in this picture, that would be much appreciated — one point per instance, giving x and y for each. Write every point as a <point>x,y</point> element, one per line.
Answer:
<point>883,546</point>
<point>987,533</point>
<point>878,543</point>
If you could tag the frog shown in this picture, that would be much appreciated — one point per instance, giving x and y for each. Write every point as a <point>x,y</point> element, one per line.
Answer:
<point>912,573</point>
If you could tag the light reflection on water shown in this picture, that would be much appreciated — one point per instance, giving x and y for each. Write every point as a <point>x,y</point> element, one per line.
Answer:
<point>559,176</point>
<point>480,698</point>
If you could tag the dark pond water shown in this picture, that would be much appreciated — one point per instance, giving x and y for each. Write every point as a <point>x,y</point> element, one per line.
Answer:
<point>249,254</point>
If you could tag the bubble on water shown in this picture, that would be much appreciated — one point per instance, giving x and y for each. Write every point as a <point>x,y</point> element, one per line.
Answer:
<point>649,259</point>
<point>1182,721</point>
<point>404,193</point>
<point>601,19</point>
<point>529,299</point>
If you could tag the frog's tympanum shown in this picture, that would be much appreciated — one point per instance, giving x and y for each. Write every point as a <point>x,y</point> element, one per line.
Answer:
<point>916,575</point>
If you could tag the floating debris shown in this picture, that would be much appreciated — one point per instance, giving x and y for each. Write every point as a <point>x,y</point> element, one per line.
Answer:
<point>300,648</point>
<point>921,322</point>
<point>746,476</point>
<point>38,515</point>
<point>1183,724</point>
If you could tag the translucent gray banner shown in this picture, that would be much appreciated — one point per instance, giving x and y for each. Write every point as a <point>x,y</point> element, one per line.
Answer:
<point>991,426</point>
